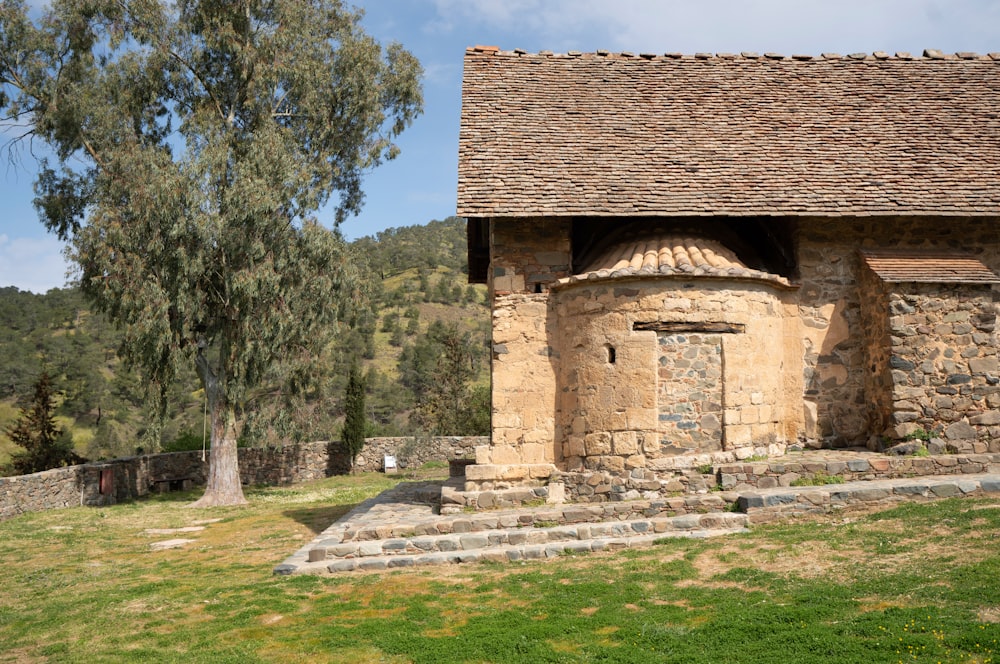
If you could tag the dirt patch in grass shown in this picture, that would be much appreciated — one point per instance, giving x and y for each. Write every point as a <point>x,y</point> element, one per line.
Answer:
<point>989,614</point>
<point>810,559</point>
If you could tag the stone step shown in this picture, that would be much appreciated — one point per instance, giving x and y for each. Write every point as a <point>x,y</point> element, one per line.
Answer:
<point>388,532</point>
<point>334,547</point>
<point>762,505</point>
<point>357,525</point>
<point>508,552</point>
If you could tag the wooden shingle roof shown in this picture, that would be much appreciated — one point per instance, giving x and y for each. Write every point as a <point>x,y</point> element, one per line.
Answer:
<point>605,134</point>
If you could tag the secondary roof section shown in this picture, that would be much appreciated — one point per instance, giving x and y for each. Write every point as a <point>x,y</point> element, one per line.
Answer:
<point>616,134</point>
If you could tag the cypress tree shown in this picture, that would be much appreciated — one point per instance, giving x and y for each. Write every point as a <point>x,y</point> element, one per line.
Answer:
<point>354,407</point>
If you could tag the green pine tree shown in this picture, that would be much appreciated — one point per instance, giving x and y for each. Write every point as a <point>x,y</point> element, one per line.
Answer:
<point>45,445</point>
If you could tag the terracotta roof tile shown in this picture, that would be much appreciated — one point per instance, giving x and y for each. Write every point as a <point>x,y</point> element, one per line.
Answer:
<point>621,135</point>
<point>669,255</point>
<point>928,267</point>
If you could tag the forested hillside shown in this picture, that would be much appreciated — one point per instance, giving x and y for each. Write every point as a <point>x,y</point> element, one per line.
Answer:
<point>421,342</point>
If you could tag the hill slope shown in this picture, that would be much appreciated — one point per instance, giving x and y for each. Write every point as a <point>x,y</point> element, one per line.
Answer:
<point>419,298</point>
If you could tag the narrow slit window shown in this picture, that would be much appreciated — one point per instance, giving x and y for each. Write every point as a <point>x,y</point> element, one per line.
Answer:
<point>612,356</point>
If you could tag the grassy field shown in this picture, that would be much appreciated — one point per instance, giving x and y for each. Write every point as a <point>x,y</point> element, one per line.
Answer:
<point>920,583</point>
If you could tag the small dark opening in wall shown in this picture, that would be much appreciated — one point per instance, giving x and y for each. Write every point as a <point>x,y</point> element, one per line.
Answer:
<point>612,356</point>
<point>538,287</point>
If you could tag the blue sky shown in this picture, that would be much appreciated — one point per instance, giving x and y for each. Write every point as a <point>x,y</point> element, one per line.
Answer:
<point>420,184</point>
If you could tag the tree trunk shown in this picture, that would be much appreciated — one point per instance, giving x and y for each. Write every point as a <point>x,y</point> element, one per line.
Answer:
<point>224,486</point>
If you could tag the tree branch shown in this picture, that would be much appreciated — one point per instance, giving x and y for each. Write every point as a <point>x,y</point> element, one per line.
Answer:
<point>190,68</point>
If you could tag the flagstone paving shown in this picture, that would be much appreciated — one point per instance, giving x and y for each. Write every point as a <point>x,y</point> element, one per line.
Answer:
<point>403,527</point>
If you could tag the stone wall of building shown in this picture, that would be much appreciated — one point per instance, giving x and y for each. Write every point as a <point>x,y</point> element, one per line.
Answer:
<point>775,473</point>
<point>802,368</point>
<point>634,397</point>
<point>942,376</point>
<point>527,255</point>
<point>877,352</point>
<point>834,365</point>
<point>134,477</point>
<point>524,382</point>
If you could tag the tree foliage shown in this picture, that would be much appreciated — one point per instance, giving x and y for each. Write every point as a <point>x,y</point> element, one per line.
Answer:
<point>43,444</point>
<point>441,367</point>
<point>195,144</point>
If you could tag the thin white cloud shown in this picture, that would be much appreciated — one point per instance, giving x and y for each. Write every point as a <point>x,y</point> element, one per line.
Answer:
<point>785,26</point>
<point>32,264</point>
<point>444,74</point>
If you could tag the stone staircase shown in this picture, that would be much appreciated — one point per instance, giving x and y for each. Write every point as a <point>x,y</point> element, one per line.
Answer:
<point>404,527</point>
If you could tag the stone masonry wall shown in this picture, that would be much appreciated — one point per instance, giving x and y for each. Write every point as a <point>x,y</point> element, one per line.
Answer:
<point>801,375</point>
<point>523,382</point>
<point>829,301</point>
<point>135,477</point>
<point>527,255</point>
<point>614,411</point>
<point>689,391</point>
<point>877,351</point>
<point>769,474</point>
<point>413,453</point>
<point>943,368</point>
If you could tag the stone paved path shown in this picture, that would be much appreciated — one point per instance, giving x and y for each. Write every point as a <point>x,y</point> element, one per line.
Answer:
<point>402,527</point>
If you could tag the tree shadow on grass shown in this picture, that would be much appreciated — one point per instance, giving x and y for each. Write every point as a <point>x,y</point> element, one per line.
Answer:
<point>407,492</point>
<point>318,519</point>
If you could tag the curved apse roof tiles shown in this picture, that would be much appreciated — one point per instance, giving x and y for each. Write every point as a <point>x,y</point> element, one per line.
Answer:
<point>669,255</point>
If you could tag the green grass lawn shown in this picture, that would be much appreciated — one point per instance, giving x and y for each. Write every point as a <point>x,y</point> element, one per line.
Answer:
<point>920,583</point>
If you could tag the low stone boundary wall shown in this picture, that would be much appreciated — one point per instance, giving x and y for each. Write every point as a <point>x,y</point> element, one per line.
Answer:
<point>765,475</point>
<point>766,505</point>
<point>106,483</point>
<point>414,452</point>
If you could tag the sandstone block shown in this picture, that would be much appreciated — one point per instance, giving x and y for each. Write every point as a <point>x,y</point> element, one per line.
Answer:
<point>505,454</point>
<point>612,464</point>
<point>635,461</point>
<point>624,442</point>
<point>533,453</point>
<point>642,418</point>
<point>540,470</point>
<point>738,435</point>
<point>575,446</point>
<point>598,443</point>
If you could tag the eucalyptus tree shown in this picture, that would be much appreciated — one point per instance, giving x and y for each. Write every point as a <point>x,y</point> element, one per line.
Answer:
<point>194,145</point>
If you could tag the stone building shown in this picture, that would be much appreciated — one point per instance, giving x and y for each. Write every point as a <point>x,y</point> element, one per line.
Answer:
<point>703,258</point>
